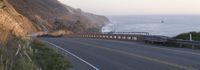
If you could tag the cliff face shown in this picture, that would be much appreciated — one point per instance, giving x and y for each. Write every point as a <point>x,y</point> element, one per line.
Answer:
<point>22,17</point>
<point>12,21</point>
<point>26,16</point>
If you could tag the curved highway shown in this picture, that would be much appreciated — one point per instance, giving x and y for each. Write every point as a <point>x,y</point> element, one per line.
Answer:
<point>97,54</point>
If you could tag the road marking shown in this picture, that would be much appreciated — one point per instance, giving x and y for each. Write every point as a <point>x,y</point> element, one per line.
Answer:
<point>159,48</point>
<point>74,55</point>
<point>176,50</point>
<point>141,56</point>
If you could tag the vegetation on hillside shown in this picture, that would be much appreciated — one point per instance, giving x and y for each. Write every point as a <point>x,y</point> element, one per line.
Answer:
<point>26,54</point>
<point>186,36</point>
<point>16,55</point>
<point>40,15</point>
<point>47,59</point>
<point>1,4</point>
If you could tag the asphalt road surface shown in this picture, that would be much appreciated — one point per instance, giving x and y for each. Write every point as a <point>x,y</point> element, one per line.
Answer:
<point>96,54</point>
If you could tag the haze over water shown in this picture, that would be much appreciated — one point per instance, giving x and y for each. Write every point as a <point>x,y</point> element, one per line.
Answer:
<point>167,25</point>
<point>140,18</point>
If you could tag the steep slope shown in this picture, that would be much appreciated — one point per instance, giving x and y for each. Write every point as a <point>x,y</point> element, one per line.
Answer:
<point>22,17</point>
<point>51,15</point>
<point>12,21</point>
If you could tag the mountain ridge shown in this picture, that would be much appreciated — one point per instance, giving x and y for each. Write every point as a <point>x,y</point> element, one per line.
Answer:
<point>21,17</point>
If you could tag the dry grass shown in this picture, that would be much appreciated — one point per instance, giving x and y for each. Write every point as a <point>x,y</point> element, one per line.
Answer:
<point>3,36</point>
<point>27,54</point>
<point>15,55</point>
<point>47,58</point>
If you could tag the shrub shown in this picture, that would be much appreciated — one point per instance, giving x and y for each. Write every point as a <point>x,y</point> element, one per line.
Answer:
<point>24,64</point>
<point>47,58</point>
<point>15,55</point>
<point>186,36</point>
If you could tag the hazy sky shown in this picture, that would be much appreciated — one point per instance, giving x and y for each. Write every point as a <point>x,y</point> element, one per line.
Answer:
<point>136,7</point>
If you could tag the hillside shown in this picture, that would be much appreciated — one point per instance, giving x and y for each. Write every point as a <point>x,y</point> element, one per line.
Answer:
<point>186,36</point>
<point>19,18</point>
<point>22,17</point>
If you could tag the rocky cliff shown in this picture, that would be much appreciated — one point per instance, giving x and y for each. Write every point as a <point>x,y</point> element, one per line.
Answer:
<point>22,17</point>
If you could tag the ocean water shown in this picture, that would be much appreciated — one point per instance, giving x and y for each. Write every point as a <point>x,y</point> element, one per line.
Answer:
<point>167,25</point>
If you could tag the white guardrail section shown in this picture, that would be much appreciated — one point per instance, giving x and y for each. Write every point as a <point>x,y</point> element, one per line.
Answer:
<point>135,37</point>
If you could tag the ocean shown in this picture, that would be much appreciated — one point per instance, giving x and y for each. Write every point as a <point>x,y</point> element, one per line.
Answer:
<point>166,25</point>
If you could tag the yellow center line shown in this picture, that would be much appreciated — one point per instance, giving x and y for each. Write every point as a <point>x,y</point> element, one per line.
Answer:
<point>140,56</point>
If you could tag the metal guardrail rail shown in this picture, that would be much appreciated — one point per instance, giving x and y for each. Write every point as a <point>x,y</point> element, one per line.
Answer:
<point>130,33</point>
<point>186,42</point>
<point>108,36</point>
<point>136,37</point>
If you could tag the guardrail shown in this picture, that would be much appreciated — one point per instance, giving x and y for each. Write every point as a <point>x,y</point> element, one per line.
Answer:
<point>108,36</point>
<point>129,33</point>
<point>186,42</point>
<point>135,37</point>
<point>129,37</point>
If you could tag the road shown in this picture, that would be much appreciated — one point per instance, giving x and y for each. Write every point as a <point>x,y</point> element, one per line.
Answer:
<point>96,54</point>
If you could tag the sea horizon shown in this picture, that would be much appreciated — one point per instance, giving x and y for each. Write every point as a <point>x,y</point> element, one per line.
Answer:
<point>167,25</point>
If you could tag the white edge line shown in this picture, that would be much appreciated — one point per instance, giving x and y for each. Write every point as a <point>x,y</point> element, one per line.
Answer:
<point>175,50</point>
<point>180,51</point>
<point>74,56</point>
<point>170,49</point>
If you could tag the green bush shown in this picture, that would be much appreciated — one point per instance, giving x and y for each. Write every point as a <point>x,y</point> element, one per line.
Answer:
<point>186,36</point>
<point>47,58</point>
<point>15,55</point>
<point>24,64</point>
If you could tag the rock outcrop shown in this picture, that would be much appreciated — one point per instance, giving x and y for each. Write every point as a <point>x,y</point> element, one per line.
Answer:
<point>22,17</point>
<point>14,22</point>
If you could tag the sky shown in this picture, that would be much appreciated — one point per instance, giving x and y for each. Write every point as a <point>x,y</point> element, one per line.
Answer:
<point>136,7</point>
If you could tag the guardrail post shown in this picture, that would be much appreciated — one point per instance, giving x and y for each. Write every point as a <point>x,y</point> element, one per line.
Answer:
<point>123,37</point>
<point>152,42</point>
<point>115,37</point>
<point>134,38</point>
<point>193,47</point>
<point>180,45</point>
<point>107,36</point>
<point>129,38</point>
<point>119,37</point>
<point>111,37</point>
